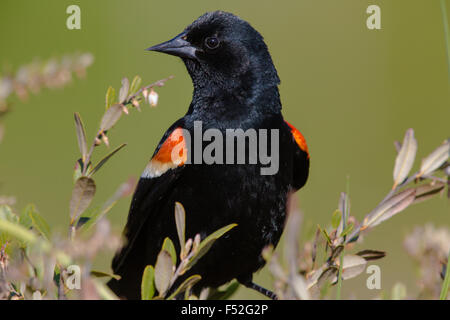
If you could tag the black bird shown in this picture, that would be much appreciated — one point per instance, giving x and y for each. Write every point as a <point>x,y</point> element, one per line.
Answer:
<point>235,87</point>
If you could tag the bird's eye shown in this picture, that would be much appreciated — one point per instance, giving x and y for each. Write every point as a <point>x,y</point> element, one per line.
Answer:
<point>212,43</point>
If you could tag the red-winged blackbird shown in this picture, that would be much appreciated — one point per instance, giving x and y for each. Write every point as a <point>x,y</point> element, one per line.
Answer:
<point>235,87</point>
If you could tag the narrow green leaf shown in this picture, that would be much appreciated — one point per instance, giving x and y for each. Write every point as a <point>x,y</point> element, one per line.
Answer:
<point>17,231</point>
<point>225,294</point>
<point>446,283</point>
<point>325,233</point>
<point>435,159</point>
<point>105,159</point>
<point>81,136</point>
<point>206,244</point>
<point>336,252</point>
<point>314,248</point>
<point>388,208</point>
<point>369,255</point>
<point>340,276</point>
<point>148,283</point>
<point>342,207</point>
<point>427,191</point>
<point>324,290</point>
<point>313,276</point>
<point>186,284</point>
<point>405,158</point>
<point>39,223</point>
<point>6,213</point>
<point>77,171</point>
<point>336,219</point>
<point>110,97</point>
<point>82,195</point>
<point>170,248</point>
<point>180,221</point>
<point>352,266</point>
<point>347,230</point>
<point>327,275</point>
<point>103,291</point>
<point>135,85</point>
<point>111,116</point>
<point>24,218</point>
<point>123,93</point>
<point>90,217</point>
<point>101,274</point>
<point>345,209</point>
<point>163,272</point>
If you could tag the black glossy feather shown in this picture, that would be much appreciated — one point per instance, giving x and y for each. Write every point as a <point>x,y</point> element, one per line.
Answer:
<point>235,86</point>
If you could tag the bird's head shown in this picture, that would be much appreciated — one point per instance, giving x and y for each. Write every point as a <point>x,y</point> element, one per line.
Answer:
<point>221,50</point>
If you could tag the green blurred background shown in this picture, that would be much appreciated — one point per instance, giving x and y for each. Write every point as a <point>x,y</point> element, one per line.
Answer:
<point>350,90</point>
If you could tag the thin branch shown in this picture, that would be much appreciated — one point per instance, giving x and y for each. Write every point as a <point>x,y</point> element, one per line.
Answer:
<point>129,100</point>
<point>158,83</point>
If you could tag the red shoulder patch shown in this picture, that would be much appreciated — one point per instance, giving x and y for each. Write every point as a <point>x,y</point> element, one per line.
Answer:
<point>171,154</point>
<point>299,138</point>
<point>173,149</point>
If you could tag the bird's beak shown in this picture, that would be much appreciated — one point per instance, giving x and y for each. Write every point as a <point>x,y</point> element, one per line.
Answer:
<point>178,46</point>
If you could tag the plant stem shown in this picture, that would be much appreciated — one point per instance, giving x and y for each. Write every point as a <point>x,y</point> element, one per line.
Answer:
<point>89,155</point>
<point>446,33</point>
<point>446,283</point>
<point>345,216</point>
<point>128,101</point>
<point>158,83</point>
<point>399,186</point>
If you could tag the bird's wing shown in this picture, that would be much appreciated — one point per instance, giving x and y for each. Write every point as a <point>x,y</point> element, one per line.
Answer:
<point>301,157</point>
<point>158,178</point>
